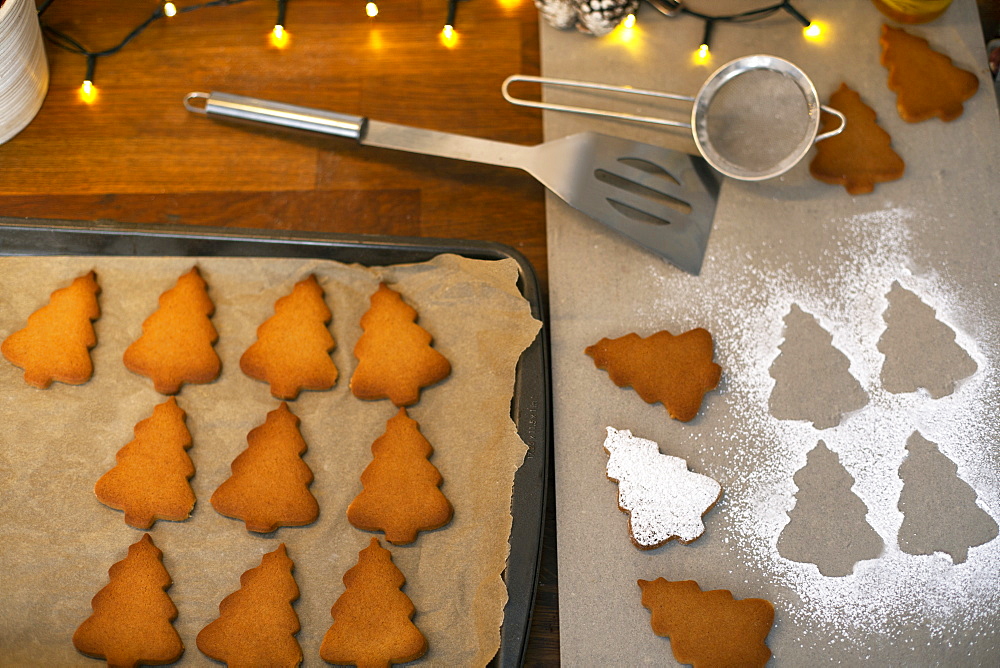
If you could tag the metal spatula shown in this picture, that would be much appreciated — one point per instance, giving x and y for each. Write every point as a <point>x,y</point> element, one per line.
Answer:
<point>662,199</point>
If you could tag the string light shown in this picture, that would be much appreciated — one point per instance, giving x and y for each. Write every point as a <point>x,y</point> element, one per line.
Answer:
<point>169,9</point>
<point>371,9</point>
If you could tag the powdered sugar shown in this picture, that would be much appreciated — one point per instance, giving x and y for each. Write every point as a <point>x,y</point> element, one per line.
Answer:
<point>664,500</point>
<point>758,455</point>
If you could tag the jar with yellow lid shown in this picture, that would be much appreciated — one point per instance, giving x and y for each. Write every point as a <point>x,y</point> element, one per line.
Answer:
<point>912,11</point>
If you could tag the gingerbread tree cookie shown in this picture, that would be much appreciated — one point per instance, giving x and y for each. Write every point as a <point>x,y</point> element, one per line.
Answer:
<point>372,619</point>
<point>150,480</point>
<point>861,155</point>
<point>676,371</point>
<point>395,357</point>
<point>663,498</point>
<point>708,628</point>
<point>177,341</point>
<point>133,614</point>
<point>269,485</point>
<point>56,343</point>
<point>292,351</point>
<point>257,623</point>
<point>401,494</point>
<point>925,81</point>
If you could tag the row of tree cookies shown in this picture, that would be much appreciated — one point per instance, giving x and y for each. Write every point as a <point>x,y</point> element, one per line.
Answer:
<point>291,354</point>
<point>292,351</point>
<point>133,615</point>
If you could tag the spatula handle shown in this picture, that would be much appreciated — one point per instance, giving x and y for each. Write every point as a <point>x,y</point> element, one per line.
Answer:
<point>276,113</point>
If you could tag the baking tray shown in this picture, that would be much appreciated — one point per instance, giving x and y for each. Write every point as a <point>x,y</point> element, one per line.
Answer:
<point>530,403</point>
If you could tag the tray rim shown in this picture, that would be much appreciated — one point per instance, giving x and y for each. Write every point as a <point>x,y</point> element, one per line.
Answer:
<point>530,405</point>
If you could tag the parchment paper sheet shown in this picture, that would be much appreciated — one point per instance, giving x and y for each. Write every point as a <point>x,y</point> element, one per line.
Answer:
<point>58,541</point>
<point>774,243</point>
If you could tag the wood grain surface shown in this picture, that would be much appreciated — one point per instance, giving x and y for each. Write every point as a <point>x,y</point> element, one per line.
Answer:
<point>135,154</point>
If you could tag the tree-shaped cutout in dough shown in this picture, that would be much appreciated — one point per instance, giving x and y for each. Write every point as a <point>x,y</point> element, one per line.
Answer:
<point>372,619</point>
<point>55,344</point>
<point>939,508</point>
<point>257,623</point>
<point>178,338</point>
<point>395,357</point>
<point>269,485</point>
<point>292,351</point>
<point>150,479</point>
<point>401,493</point>
<point>133,614</point>
<point>676,371</point>
<point>663,498</point>
<point>920,350</point>
<point>827,526</point>
<point>926,82</point>
<point>813,379</point>
<point>708,628</point>
<point>861,155</point>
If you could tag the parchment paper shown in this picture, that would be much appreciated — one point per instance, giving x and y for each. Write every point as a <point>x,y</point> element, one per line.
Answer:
<point>778,243</point>
<point>59,541</point>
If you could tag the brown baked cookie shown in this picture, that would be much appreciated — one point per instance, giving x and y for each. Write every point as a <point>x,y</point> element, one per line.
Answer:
<point>257,623</point>
<point>133,614</point>
<point>395,357</point>
<point>708,628</point>
<point>56,343</point>
<point>925,81</point>
<point>401,494</point>
<point>292,351</point>
<point>177,341</point>
<point>372,619</point>
<point>150,479</point>
<point>269,485</point>
<point>674,370</point>
<point>861,155</point>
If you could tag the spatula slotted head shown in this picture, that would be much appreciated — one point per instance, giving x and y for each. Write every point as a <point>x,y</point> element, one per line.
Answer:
<point>662,199</point>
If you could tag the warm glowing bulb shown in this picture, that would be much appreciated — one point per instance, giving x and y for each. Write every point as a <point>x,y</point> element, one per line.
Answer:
<point>279,37</point>
<point>88,92</point>
<point>629,21</point>
<point>812,30</point>
<point>449,37</point>
<point>702,55</point>
<point>371,9</point>
<point>169,9</point>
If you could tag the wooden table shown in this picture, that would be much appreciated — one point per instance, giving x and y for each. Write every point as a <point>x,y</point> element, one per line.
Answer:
<point>134,154</point>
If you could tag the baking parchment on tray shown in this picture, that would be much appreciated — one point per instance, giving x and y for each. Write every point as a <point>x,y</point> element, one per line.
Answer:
<point>488,423</point>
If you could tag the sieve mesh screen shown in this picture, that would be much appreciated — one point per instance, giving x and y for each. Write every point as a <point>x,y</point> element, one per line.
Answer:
<point>758,119</point>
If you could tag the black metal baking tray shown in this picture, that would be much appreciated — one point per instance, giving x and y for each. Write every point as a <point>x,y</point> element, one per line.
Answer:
<point>530,404</point>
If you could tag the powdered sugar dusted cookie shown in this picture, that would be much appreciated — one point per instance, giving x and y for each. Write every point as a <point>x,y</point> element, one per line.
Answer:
<point>663,498</point>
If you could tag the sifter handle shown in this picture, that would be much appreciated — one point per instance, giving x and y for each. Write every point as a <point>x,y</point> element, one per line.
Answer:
<point>277,113</point>
<point>836,131</point>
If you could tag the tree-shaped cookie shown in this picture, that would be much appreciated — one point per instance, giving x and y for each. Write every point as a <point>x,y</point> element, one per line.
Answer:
<point>939,508</point>
<point>663,498</point>
<point>150,479</point>
<point>400,494</point>
<point>676,371</point>
<point>178,338</point>
<point>708,628</point>
<point>861,155</point>
<point>372,619</point>
<point>133,615</point>
<point>269,485</point>
<point>292,351</point>
<point>827,526</point>
<point>395,357</point>
<point>925,81</point>
<point>56,343</point>
<point>813,379</point>
<point>257,623</point>
<point>920,350</point>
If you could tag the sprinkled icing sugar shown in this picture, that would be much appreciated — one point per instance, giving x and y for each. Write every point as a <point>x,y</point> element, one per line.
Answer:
<point>755,455</point>
<point>663,498</point>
